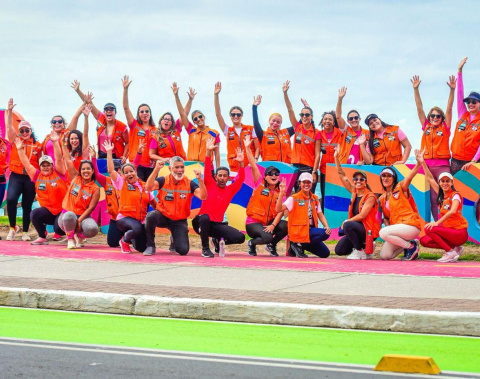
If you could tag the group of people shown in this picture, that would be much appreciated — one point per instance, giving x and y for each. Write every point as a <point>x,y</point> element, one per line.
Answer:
<point>62,173</point>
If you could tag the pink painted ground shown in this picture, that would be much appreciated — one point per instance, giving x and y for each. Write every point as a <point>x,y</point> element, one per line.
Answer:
<point>242,260</point>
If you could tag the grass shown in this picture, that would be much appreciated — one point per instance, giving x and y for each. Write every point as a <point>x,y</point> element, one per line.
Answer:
<point>4,221</point>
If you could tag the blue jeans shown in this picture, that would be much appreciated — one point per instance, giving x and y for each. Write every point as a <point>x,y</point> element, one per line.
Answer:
<point>316,245</point>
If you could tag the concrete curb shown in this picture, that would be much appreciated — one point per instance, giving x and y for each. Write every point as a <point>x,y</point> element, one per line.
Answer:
<point>347,317</point>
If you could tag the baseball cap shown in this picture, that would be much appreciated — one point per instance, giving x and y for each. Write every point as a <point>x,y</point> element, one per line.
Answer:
<point>445,174</point>
<point>387,170</point>
<point>45,158</point>
<point>269,169</point>
<point>24,124</point>
<point>370,117</point>
<point>473,95</point>
<point>110,105</point>
<point>360,172</point>
<point>305,176</point>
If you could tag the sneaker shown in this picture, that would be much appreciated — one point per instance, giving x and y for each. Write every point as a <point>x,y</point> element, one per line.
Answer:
<point>12,233</point>
<point>71,244</point>
<point>272,249</point>
<point>207,253</point>
<point>458,249</point>
<point>124,246</point>
<point>450,256</point>
<point>172,246</point>
<point>411,253</point>
<point>215,244</point>
<point>79,242</point>
<point>40,241</point>
<point>297,249</point>
<point>56,237</point>
<point>290,252</point>
<point>357,254</point>
<point>368,256</point>
<point>252,250</point>
<point>150,250</point>
<point>26,237</point>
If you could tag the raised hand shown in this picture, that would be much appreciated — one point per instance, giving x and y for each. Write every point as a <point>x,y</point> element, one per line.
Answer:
<point>91,151</point>
<point>452,82</point>
<point>210,144</point>
<point>218,88</point>
<point>88,108</point>
<point>89,98</point>
<point>174,88</point>
<point>126,81</point>
<point>342,92</point>
<point>54,136</point>
<point>257,100</point>
<point>247,141</point>
<point>159,165</point>
<point>198,173</point>
<point>419,156</point>
<point>10,104</point>
<point>286,86</point>
<point>283,186</point>
<point>415,81</point>
<point>141,146</point>
<point>240,157</point>
<point>305,103</point>
<point>18,143</point>
<point>75,85</point>
<point>191,93</point>
<point>108,146</point>
<point>461,64</point>
<point>361,139</point>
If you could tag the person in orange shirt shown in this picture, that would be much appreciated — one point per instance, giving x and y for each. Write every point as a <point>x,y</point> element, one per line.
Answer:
<point>436,136</point>
<point>142,129</point>
<point>362,214</point>
<point>175,193</point>
<point>50,186</point>
<point>449,232</point>
<point>167,141</point>
<point>19,183</point>
<point>236,133</point>
<point>400,215</point>
<point>385,142</point>
<point>198,133</point>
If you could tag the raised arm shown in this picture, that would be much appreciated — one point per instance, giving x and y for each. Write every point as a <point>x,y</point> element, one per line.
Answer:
<point>341,174</point>
<point>72,172</point>
<point>181,110</point>
<point>86,112</point>
<point>74,121</point>
<point>256,123</point>
<point>57,151</point>
<point>418,100</point>
<point>201,191</point>
<point>76,86</point>
<point>461,108</point>
<point>151,184</point>
<point>452,83</point>
<point>218,111</point>
<point>431,180</point>
<point>108,146</point>
<point>191,95</point>
<point>128,113</point>
<point>338,111</point>
<point>29,168</point>
<point>405,183</point>
<point>251,159</point>
<point>11,133</point>
<point>99,177</point>
<point>279,206</point>
<point>291,112</point>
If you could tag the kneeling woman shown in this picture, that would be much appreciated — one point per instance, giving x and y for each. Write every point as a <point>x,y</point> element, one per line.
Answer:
<point>362,214</point>
<point>132,203</point>
<point>450,231</point>
<point>304,212</point>
<point>264,224</point>
<point>81,199</point>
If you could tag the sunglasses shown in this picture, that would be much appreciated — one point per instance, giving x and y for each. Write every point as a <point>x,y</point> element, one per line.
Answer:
<point>305,114</point>
<point>359,179</point>
<point>199,117</point>
<point>236,114</point>
<point>470,101</point>
<point>24,130</point>
<point>435,116</point>
<point>353,118</point>
<point>167,119</point>
<point>142,112</point>
<point>386,176</point>
<point>274,173</point>
<point>109,109</point>
<point>57,122</point>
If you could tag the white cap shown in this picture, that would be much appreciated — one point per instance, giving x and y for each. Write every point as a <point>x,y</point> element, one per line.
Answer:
<point>447,174</point>
<point>45,158</point>
<point>305,176</point>
<point>388,171</point>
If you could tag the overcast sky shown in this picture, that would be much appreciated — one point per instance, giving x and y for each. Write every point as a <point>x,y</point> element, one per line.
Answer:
<point>372,47</point>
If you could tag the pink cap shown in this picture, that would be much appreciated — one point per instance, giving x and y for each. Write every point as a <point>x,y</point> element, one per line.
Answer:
<point>24,124</point>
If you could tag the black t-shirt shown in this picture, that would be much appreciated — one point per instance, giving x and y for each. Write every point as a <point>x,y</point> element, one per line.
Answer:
<point>355,210</point>
<point>161,182</point>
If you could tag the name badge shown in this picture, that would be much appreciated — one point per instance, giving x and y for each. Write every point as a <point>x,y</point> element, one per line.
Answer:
<point>130,187</point>
<point>163,145</point>
<point>74,191</point>
<point>427,132</point>
<point>109,191</point>
<point>169,196</point>
<point>42,187</point>
<point>301,203</point>
<point>462,127</point>
<point>141,133</point>
<point>376,143</point>
<point>265,192</point>
<point>348,138</point>
<point>298,139</point>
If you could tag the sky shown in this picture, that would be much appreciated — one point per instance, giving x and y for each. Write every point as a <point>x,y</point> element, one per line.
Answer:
<point>252,47</point>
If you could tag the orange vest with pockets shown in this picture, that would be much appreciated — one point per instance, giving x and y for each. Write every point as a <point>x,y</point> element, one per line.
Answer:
<point>276,146</point>
<point>298,221</point>
<point>49,190</point>
<point>132,202</point>
<point>435,141</point>
<point>234,141</point>
<point>78,196</point>
<point>175,200</point>
<point>116,136</point>
<point>261,206</point>
<point>388,149</point>
<point>304,145</point>
<point>370,222</point>
<point>466,138</point>
<point>64,133</point>
<point>402,209</point>
<point>166,149</point>
<point>328,148</point>
<point>197,143</point>
<point>4,147</point>
<point>455,221</point>
<point>33,151</point>
<point>111,198</point>
<point>136,135</point>
<point>347,141</point>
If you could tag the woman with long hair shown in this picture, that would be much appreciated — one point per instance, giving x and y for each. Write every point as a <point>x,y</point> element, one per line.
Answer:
<point>167,141</point>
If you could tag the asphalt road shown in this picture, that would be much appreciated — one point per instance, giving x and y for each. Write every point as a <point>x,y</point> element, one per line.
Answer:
<point>39,359</point>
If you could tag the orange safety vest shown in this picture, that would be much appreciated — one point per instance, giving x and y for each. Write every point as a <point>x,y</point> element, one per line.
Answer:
<point>234,141</point>
<point>78,196</point>
<point>50,189</point>
<point>370,222</point>
<point>175,200</point>
<point>111,198</point>
<point>77,161</point>
<point>298,222</point>
<point>4,147</point>
<point>197,143</point>
<point>388,149</point>
<point>33,151</point>
<point>455,221</point>
<point>116,136</point>
<point>276,146</point>
<point>132,202</point>
<point>170,147</point>
<point>466,138</point>
<point>261,206</point>
<point>304,145</point>
<point>402,209</point>
<point>328,148</point>
<point>347,141</point>
<point>64,133</point>
<point>435,141</point>
<point>136,135</point>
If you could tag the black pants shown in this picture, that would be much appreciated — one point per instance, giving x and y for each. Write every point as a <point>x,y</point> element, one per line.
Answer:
<point>456,165</point>
<point>134,232</point>
<point>206,228</point>
<point>41,217</point>
<point>259,237</point>
<point>301,169</point>
<point>144,172</point>
<point>178,228</point>
<point>114,234</point>
<point>19,184</point>
<point>355,236</point>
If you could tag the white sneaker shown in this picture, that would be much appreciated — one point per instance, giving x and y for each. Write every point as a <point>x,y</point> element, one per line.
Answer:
<point>71,244</point>
<point>26,237</point>
<point>12,233</point>
<point>79,242</point>
<point>368,256</point>
<point>450,256</point>
<point>357,254</point>
<point>458,249</point>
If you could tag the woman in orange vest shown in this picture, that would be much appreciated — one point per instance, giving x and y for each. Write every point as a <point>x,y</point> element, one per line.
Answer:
<point>362,214</point>
<point>142,128</point>
<point>304,213</point>
<point>50,186</point>
<point>198,133</point>
<point>274,142</point>
<point>79,202</point>
<point>236,133</point>
<point>19,183</point>
<point>352,143</point>
<point>307,140</point>
<point>400,215</point>
<point>385,143</point>
<point>132,203</point>
<point>450,231</point>
<point>264,224</point>
<point>466,139</point>
<point>436,136</point>
<point>167,142</point>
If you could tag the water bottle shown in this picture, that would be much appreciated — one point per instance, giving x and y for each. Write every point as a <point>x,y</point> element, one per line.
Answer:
<point>369,243</point>
<point>221,252</point>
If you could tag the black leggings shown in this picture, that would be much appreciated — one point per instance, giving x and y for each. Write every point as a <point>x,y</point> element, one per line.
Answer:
<point>41,217</point>
<point>134,232</point>
<point>144,172</point>
<point>259,237</point>
<point>114,234</point>
<point>206,228</point>
<point>355,236</point>
<point>178,228</point>
<point>19,184</point>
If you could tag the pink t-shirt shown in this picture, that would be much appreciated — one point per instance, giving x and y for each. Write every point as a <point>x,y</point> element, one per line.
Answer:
<point>118,184</point>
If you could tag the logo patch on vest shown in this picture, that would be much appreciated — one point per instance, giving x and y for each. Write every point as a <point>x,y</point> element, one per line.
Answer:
<point>298,139</point>
<point>74,191</point>
<point>376,143</point>
<point>462,126</point>
<point>474,128</point>
<point>391,137</point>
<point>446,206</point>
<point>265,192</point>
<point>169,196</point>
<point>42,187</point>
<point>301,203</point>
<point>163,145</point>
<point>183,196</point>
<point>130,187</point>
<point>141,133</point>
<point>396,195</point>
<point>440,133</point>
<point>348,138</point>
<point>427,132</point>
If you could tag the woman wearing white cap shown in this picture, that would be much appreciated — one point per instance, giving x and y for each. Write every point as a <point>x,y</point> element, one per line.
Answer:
<point>304,212</point>
<point>450,231</point>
